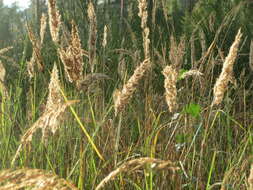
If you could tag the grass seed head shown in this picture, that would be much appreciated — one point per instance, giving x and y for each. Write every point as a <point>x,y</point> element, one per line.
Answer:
<point>33,179</point>
<point>72,57</point>
<point>43,27</point>
<point>177,52</point>
<point>221,84</point>
<point>170,82</point>
<point>54,20</point>
<point>135,164</point>
<point>122,98</point>
<point>92,35</point>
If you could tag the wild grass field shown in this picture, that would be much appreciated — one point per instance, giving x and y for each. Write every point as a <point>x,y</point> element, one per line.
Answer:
<point>165,104</point>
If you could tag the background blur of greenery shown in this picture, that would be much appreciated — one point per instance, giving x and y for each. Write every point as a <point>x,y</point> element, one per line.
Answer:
<point>170,16</point>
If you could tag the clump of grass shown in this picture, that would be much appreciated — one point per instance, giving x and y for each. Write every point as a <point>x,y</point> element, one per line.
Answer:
<point>135,164</point>
<point>33,179</point>
<point>50,119</point>
<point>226,75</point>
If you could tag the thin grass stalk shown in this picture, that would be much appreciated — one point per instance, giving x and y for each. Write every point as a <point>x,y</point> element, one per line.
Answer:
<point>83,128</point>
<point>117,141</point>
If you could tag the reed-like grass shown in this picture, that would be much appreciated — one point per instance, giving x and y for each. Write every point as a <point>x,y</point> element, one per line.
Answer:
<point>94,144</point>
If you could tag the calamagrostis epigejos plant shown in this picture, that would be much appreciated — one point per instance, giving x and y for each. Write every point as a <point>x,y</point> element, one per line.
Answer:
<point>36,55</point>
<point>170,74</point>
<point>43,27</point>
<point>53,114</point>
<point>122,98</point>
<point>136,164</point>
<point>143,14</point>
<point>2,80</point>
<point>72,57</point>
<point>177,52</point>
<point>104,43</point>
<point>251,55</point>
<point>33,179</point>
<point>54,20</point>
<point>221,84</point>
<point>92,36</point>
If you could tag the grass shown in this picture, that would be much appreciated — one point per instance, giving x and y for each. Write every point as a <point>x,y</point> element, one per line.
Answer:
<point>132,130</point>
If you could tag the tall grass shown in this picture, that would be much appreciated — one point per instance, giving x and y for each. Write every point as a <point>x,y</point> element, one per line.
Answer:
<point>179,116</point>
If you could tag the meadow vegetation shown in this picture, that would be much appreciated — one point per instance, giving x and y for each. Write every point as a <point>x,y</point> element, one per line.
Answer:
<point>159,97</point>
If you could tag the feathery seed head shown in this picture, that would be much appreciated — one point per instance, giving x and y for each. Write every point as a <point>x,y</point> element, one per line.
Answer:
<point>170,74</point>
<point>221,84</point>
<point>54,20</point>
<point>72,57</point>
<point>43,26</point>
<point>122,98</point>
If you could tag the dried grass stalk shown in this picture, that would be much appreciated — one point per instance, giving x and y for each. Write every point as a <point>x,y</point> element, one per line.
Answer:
<point>92,36</point>
<point>251,55</point>
<point>72,57</point>
<point>54,20</point>
<point>33,179</point>
<point>89,79</point>
<point>135,164</point>
<point>122,98</point>
<point>170,74</point>
<point>143,14</point>
<point>43,27</point>
<point>221,84</point>
<point>2,80</point>
<point>53,114</point>
<point>36,59</point>
<point>104,43</point>
<point>177,52</point>
<point>250,178</point>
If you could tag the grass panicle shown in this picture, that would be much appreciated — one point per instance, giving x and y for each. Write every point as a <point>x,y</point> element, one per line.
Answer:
<point>43,27</point>
<point>122,98</point>
<point>170,82</point>
<point>226,75</point>
<point>135,164</point>
<point>54,20</point>
<point>92,35</point>
<point>72,57</point>
<point>33,179</point>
